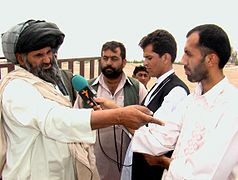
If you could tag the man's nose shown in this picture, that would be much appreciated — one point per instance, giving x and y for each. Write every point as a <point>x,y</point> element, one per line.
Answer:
<point>47,59</point>
<point>183,60</point>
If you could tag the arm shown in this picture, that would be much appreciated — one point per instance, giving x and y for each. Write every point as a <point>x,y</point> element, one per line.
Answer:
<point>157,140</point>
<point>31,110</point>
<point>27,108</point>
<point>138,116</point>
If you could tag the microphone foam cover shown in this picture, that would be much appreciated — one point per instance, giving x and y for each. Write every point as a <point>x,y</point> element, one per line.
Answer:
<point>79,82</point>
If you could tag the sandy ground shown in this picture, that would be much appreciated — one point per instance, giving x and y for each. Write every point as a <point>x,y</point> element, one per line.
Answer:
<point>230,71</point>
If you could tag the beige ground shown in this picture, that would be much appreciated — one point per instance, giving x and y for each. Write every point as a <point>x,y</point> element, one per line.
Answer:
<point>230,71</point>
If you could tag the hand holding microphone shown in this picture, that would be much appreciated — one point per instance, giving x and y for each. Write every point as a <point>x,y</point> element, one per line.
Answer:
<point>88,94</point>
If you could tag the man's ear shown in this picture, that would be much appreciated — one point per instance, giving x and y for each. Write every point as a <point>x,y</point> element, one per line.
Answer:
<point>212,59</point>
<point>20,59</point>
<point>124,61</point>
<point>166,58</point>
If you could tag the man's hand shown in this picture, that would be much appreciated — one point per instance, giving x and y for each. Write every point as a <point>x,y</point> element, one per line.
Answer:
<point>105,103</point>
<point>130,116</point>
<point>135,116</point>
<point>162,160</point>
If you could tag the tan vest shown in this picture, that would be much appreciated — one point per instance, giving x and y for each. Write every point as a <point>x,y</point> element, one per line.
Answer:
<point>83,153</point>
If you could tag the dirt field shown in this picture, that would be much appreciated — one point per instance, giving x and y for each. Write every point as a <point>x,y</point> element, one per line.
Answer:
<point>230,71</point>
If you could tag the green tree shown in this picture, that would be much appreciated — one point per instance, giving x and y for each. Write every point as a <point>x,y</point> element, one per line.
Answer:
<point>233,59</point>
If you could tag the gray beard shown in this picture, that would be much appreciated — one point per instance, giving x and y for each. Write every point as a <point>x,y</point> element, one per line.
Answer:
<point>51,75</point>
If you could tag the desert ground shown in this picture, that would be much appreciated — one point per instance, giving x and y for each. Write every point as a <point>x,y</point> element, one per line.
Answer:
<point>230,71</point>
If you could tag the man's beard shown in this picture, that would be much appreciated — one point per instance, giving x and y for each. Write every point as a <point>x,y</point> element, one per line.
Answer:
<point>111,73</point>
<point>51,75</point>
<point>199,73</point>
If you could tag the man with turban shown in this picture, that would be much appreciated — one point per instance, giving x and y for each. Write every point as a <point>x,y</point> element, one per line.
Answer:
<point>41,136</point>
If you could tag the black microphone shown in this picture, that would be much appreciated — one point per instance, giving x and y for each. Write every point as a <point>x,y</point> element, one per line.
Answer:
<point>86,92</point>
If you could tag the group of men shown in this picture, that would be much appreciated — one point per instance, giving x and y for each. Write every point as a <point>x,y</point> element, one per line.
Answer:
<point>173,135</point>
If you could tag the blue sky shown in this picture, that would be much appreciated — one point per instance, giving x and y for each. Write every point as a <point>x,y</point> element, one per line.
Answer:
<point>88,24</point>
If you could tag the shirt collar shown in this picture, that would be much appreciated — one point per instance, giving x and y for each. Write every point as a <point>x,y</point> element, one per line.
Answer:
<point>164,76</point>
<point>211,95</point>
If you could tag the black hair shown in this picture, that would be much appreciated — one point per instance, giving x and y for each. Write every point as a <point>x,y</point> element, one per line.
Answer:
<point>112,45</point>
<point>162,42</point>
<point>138,69</point>
<point>215,39</point>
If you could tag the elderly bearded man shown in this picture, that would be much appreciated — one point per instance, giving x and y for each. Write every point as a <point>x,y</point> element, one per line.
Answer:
<point>42,137</point>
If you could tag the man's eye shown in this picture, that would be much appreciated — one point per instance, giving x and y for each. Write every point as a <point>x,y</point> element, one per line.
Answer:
<point>114,58</point>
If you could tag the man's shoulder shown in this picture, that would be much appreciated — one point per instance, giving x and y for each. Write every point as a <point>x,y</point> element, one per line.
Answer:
<point>133,85</point>
<point>133,82</point>
<point>176,81</point>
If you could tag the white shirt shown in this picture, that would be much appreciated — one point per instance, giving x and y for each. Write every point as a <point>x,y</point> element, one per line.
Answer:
<point>107,168</point>
<point>38,131</point>
<point>207,138</point>
<point>171,101</point>
<point>118,96</point>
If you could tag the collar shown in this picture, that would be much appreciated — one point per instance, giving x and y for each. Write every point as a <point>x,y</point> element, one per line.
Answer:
<point>164,76</point>
<point>211,95</point>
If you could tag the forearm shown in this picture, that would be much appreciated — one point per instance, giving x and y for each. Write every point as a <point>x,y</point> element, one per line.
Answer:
<point>104,118</point>
<point>131,116</point>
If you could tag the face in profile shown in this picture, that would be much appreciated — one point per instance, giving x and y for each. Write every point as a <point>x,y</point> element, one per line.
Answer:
<point>153,62</point>
<point>194,61</point>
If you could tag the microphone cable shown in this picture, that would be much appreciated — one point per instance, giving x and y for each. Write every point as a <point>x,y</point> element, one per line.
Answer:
<point>119,159</point>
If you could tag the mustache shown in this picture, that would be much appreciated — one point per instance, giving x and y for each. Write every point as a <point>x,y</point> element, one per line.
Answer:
<point>43,65</point>
<point>109,67</point>
<point>186,68</point>
<point>51,74</point>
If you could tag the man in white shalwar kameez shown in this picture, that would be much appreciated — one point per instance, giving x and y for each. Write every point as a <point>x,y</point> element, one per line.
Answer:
<point>203,132</point>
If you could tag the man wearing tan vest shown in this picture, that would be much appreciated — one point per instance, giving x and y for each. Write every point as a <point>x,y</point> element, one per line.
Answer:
<point>42,137</point>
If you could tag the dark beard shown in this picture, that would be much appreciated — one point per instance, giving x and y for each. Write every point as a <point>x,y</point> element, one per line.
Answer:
<point>51,75</point>
<point>199,73</point>
<point>111,73</point>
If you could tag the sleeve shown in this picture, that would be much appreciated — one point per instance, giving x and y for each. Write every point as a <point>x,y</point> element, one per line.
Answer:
<point>155,139</point>
<point>26,107</point>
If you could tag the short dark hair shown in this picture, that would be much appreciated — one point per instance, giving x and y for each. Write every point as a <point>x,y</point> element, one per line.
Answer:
<point>112,45</point>
<point>138,69</point>
<point>162,42</point>
<point>215,39</point>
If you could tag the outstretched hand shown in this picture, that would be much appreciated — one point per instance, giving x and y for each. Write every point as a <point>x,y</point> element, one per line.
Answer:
<point>135,116</point>
<point>132,117</point>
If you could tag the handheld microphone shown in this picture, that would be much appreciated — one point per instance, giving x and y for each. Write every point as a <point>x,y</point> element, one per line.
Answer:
<point>86,92</point>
